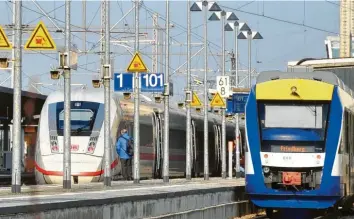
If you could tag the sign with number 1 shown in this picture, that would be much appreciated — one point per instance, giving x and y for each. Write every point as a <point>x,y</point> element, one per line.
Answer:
<point>223,85</point>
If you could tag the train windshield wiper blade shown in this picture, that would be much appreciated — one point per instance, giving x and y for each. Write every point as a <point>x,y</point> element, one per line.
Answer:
<point>78,130</point>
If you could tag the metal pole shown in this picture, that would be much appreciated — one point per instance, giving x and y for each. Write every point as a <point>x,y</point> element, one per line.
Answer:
<point>107,97</point>
<point>84,24</point>
<point>136,103</point>
<point>67,107</point>
<point>206,144</point>
<point>236,31</point>
<point>167,93</point>
<point>16,131</point>
<point>13,42</point>
<point>237,150</point>
<point>230,158</point>
<point>249,37</point>
<point>223,129</point>
<point>188,96</point>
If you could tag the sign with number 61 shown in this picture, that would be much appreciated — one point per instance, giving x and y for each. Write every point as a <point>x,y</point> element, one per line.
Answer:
<point>223,85</point>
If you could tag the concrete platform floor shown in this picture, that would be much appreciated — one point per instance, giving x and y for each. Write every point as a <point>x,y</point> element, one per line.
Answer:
<point>55,193</point>
<point>164,198</point>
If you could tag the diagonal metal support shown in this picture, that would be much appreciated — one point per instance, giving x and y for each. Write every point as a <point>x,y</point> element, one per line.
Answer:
<point>122,18</point>
<point>186,61</point>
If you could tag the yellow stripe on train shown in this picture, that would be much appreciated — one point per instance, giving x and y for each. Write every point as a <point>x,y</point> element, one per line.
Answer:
<point>294,89</point>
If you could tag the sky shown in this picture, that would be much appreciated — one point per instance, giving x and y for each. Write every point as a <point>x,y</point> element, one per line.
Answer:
<point>291,30</point>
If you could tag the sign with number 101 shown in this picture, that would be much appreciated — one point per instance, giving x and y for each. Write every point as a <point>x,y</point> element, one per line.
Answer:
<point>223,85</point>
<point>149,82</point>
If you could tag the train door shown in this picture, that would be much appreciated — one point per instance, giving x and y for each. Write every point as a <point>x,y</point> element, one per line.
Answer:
<point>157,144</point>
<point>194,152</point>
<point>217,144</point>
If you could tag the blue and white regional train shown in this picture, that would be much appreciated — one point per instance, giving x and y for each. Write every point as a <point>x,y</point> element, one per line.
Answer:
<point>300,141</point>
<point>87,141</point>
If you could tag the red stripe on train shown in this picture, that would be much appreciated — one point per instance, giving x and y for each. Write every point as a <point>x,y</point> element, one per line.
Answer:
<point>60,173</point>
<point>143,156</point>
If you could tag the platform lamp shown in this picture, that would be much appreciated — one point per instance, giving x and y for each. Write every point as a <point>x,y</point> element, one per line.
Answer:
<point>54,74</point>
<point>247,33</point>
<point>96,83</point>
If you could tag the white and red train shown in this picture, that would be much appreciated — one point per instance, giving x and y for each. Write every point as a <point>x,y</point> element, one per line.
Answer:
<point>87,138</point>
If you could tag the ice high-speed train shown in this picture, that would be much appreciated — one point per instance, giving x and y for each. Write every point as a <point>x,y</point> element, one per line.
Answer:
<point>87,141</point>
<point>300,141</point>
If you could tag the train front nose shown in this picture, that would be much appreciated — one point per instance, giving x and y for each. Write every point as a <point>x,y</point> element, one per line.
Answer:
<point>84,169</point>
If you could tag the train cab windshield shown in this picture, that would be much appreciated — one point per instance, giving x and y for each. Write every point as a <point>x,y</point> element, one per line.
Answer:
<point>293,127</point>
<point>85,117</point>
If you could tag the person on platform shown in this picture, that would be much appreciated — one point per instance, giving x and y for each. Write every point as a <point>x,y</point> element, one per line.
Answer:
<point>124,150</point>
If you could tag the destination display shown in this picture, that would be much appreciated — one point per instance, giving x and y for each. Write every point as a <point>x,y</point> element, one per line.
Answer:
<point>292,149</point>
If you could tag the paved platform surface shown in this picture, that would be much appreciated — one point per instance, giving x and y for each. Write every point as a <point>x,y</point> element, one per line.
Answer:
<point>40,196</point>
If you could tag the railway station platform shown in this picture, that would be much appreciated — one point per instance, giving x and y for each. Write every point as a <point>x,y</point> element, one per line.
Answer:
<point>215,198</point>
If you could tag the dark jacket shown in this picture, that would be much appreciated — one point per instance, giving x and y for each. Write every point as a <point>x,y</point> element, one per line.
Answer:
<point>122,146</point>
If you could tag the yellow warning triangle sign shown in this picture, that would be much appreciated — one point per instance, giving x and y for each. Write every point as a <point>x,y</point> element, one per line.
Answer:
<point>4,41</point>
<point>217,101</point>
<point>195,100</point>
<point>40,39</point>
<point>136,64</point>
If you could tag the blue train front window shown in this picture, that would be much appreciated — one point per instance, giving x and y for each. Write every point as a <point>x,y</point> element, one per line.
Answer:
<point>293,126</point>
<point>86,117</point>
<point>81,119</point>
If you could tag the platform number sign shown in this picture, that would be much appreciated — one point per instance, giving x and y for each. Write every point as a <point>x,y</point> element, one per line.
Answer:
<point>149,82</point>
<point>223,85</point>
<point>152,82</point>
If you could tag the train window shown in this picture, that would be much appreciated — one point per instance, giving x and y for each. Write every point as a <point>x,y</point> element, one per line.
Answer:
<point>347,122</point>
<point>293,127</point>
<point>294,116</point>
<point>311,118</point>
<point>85,117</point>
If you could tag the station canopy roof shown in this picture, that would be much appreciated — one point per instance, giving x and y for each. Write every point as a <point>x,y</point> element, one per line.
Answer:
<point>31,105</point>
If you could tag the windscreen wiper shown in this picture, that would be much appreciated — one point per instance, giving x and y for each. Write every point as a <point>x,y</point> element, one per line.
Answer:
<point>78,130</point>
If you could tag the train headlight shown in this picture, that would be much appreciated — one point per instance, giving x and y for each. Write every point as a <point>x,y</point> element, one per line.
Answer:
<point>318,158</point>
<point>54,146</point>
<point>266,169</point>
<point>91,147</point>
<point>265,158</point>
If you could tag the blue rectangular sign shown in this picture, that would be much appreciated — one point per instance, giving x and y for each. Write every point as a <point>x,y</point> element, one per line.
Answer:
<point>123,82</point>
<point>229,106</point>
<point>239,101</point>
<point>149,82</point>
